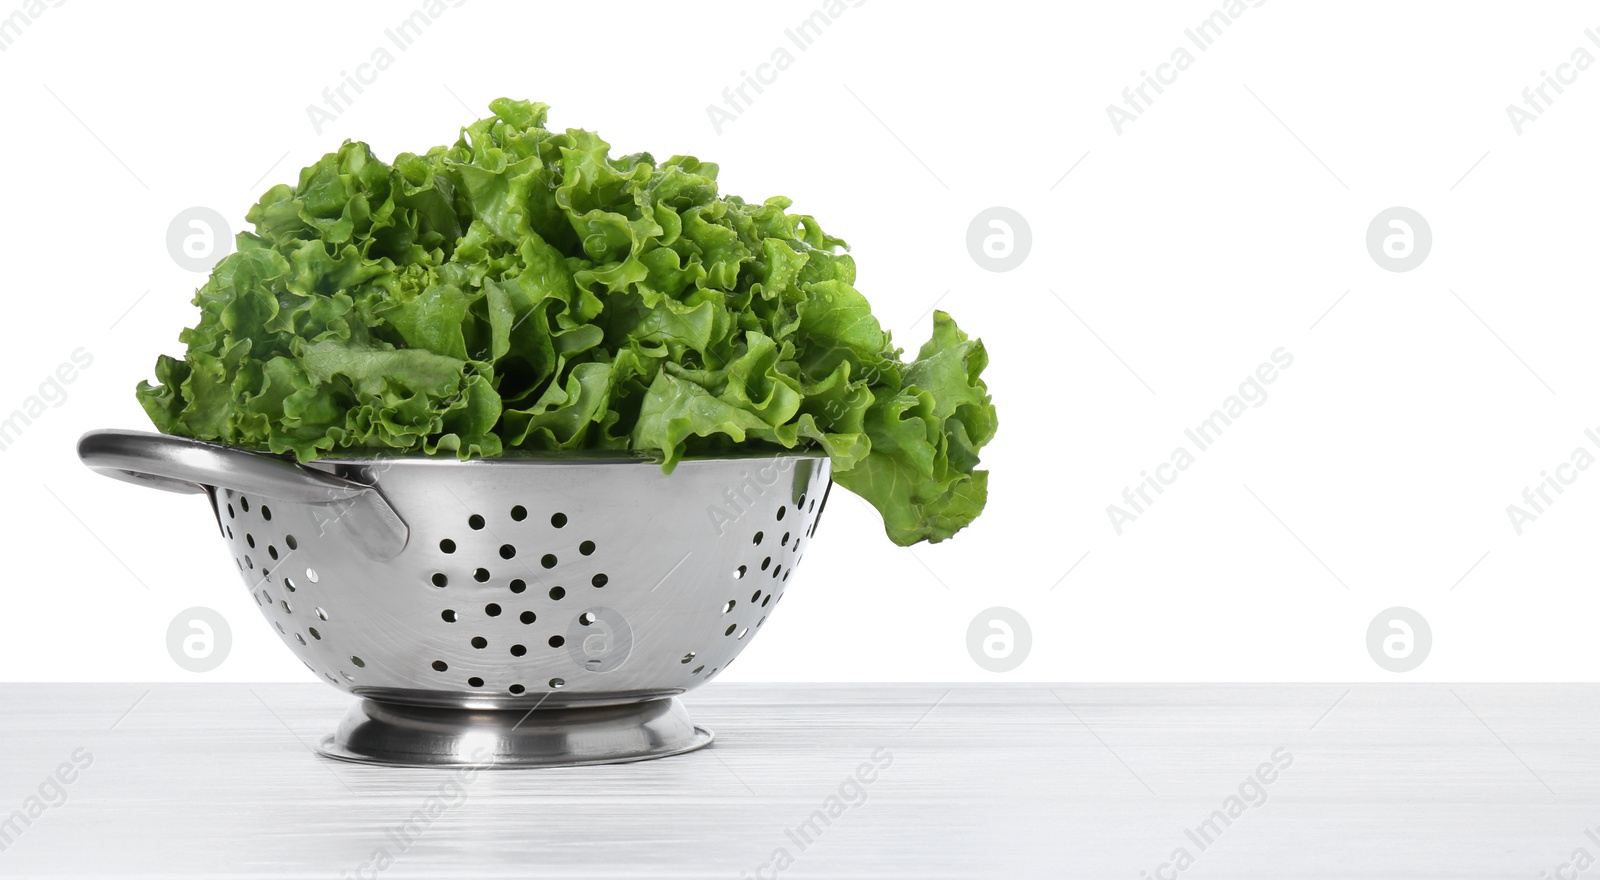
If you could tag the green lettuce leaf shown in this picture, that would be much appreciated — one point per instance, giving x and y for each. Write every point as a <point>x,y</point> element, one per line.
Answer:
<point>523,289</point>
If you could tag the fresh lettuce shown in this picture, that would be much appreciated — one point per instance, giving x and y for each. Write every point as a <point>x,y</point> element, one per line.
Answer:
<point>523,289</point>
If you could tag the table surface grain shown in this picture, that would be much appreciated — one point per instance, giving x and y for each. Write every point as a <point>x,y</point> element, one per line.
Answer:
<point>1094,781</point>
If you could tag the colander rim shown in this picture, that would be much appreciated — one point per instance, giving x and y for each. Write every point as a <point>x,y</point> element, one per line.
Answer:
<point>543,457</point>
<point>119,438</point>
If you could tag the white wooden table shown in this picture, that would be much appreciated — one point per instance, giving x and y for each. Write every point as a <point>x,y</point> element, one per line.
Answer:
<point>219,781</point>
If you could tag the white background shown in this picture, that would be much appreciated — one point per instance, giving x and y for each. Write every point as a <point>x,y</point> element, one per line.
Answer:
<point>1218,227</point>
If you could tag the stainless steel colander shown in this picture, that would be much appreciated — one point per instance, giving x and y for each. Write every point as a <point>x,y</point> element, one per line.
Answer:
<point>515,612</point>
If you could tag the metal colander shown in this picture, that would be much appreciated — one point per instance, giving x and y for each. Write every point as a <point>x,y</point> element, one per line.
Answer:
<point>515,612</point>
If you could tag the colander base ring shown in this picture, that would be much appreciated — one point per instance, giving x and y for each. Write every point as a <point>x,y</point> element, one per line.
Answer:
<point>397,735</point>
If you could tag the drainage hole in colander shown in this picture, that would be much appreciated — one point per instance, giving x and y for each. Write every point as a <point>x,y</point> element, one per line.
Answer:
<point>528,617</point>
<point>697,669</point>
<point>742,633</point>
<point>507,551</point>
<point>311,575</point>
<point>272,551</point>
<point>558,593</point>
<point>293,544</point>
<point>687,657</point>
<point>729,606</point>
<point>301,638</point>
<point>492,609</point>
<point>244,504</point>
<point>786,575</point>
<point>801,504</point>
<point>279,625</point>
<point>761,621</point>
<point>782,511</point>
<point>440,666</point>
<point>766,600</point>
<point>739,572</point>
<point>730,629</point>
<point>548,560</point>
<point>314,634</point>
<point>776,569</point>
<point>248,562</point>
<point>447,546</point>
<point>557,641</point>
<point>448,615</point>
<point>480,575</point>
<point>239,562</point>
<point>813,506</point>
<point>758,537</point>
<point>439,579</point>
<point>784,541</point>
<point>480,642</point>
<point>586,548</point>
<point>519,513</point>
<point>599,580</point>
<point>347,676</point>
<point>558,683</point>
<point>475,681</point>
<point>230,532</point>
<point>518,585</point>
<point>587,618</point>
<point>357,661</point>
<point>321,615</point>
<point>516,689</point>
<point>266,512</point>
<point>286,608</point>
<point>288,585</point>
<point>559,520</point>
<point>475,522</point>
<point>518,650</point>
<point>231,514</point>
<point>766,562</point>
<point>756,596</point>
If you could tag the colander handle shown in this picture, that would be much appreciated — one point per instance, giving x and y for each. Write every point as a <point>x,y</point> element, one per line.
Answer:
<point>179,464</point>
